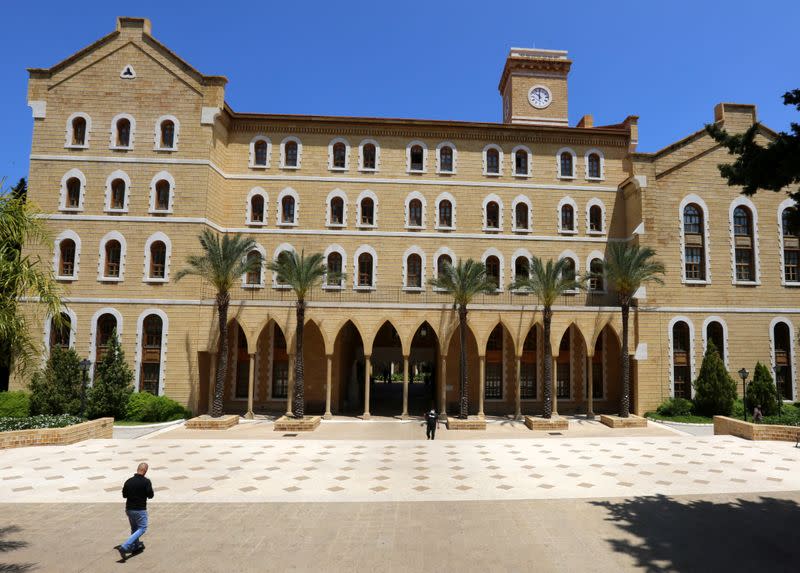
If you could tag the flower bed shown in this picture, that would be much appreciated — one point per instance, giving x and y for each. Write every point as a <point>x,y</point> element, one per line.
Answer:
<point>39,422</point>
<point>50,436</point>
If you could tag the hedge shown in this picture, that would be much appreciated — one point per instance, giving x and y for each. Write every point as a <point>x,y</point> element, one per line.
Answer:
<point>15,404</point>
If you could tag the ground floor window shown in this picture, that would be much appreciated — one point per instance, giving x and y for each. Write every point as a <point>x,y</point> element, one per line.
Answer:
<point>527,375</point>
<point>563,382</point>
<point>494,381</point>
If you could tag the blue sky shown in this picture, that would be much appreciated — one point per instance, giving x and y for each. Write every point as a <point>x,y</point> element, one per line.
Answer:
<point>668,62</point>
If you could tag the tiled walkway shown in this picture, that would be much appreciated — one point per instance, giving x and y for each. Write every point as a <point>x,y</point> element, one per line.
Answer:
<point>308,470</point>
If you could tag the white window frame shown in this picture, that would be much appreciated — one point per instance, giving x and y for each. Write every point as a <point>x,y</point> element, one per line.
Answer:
<point>592,256</point>
<point>68,134</point>
<point>567,201</point>
<point>748,204</point>
<point>101,264</point>
<point>364,194</point>
<point>346,154</point>
<point>329,211</point>
<point>341,252</point>
<point>495,252</point>
<point>692,358</point>
<point>569,254</point>
<point>586,164</point>
<point>724,325</point>
<point>696,199</point>
<point>139,335</point>
<point>595,202</point>
<point>283,153</point>
<point>486,200</point>
<point>159,236</point>
<point>437,224</point>
<point>424,157</point>
<point>263,252</point>
<point>414,250</point>
<point>452,146</point>
<point>162,176</point>
<point>785,204</point>
<point>118,174</point>
<point>525,200</point>
<point>287,192</point>
<point>157,133</point>
<point>113,141</point>
<point>48,325</point>
<point>63,235</point>
<point>283,247</point>
<point>249,208</point>
<point>365,249</point>
<point>411,196</point>
<point>361,156</point>
<point>569,150</point>
<point>527,150</point>
<point>439,252</point>
<point>792,349</point>
<point>499,160</point>
<point>77,174</point>
<point>517,254</point>
<point>251,161</point>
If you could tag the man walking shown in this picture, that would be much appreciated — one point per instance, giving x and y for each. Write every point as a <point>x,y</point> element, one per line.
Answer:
<point>432,422</point>
<point>136,491</point>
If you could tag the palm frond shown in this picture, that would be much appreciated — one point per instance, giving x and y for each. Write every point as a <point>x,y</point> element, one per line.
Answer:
<point>223,262</point>
<point>300,272</point>
<point>463,281</point>
<point>628,266</point>
<point>548,280</point>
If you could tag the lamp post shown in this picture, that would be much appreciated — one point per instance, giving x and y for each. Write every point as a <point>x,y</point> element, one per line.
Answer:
<point>743,373</point>
<point>84,364</point>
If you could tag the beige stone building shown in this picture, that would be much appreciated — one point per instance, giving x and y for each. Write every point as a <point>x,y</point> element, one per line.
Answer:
<point>135,152</point>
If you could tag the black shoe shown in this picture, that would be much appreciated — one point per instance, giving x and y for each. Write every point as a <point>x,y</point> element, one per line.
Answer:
<point>121,552</point>
<point>138,549</point>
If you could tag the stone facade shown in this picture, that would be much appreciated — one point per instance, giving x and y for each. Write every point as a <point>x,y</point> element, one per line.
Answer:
<point>191,163</point>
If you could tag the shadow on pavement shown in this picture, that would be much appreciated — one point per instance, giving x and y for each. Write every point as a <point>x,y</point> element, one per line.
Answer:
<point>696,535</point>
<point>8,545</point>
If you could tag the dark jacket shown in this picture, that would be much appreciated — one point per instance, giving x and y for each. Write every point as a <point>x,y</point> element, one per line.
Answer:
<point>432,419</point>
<point>137,490</point>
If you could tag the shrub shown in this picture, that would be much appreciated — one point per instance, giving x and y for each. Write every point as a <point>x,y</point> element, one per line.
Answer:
<point>738,409</point>
<point>36,422</point>
<point>714,389</point>
<point>145,407</point>
<point>57,388</point>
<point>112,384</point>
<point>15,404</point>
<point>675,407</point>
<point>762,391</point>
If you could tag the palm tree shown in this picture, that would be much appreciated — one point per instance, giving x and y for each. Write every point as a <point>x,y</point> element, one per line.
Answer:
<point>223,262</point>
<point>626,268</point>
<point>463,281</point>
<point>301,274</point>
<point>548,281</point>
<point>22,274</point>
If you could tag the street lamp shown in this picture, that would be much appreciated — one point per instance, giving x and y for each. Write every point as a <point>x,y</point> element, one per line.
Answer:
<point>84,364</point>
<point>743,373</point>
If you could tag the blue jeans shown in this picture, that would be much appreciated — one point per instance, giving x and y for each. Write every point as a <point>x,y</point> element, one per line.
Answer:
<point>138,521</point>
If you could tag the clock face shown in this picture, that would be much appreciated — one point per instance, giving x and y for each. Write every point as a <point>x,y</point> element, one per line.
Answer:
<point>539,97</point>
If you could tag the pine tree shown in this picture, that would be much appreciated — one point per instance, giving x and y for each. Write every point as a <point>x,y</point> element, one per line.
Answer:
<point>714,389</point>
<point>57,388</point>
<point>113,383</point>
<point>762,392</point>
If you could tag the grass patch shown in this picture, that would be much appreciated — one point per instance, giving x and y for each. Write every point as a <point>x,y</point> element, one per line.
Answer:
<point>686,419</point>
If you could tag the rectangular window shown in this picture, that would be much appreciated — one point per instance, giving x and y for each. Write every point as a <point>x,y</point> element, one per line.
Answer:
<point>694,263</point>
<point>150,376</point>
<point>744,265</point>
<point>563,382</point>
<point>790,266</point>
<point>527,373</point>
<point>280,379</point>
<point>493,390</point>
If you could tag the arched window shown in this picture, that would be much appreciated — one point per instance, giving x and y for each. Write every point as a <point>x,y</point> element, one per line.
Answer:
<point>290,154</point>
<point>339,155</point>
<point>716,334</point>
<point>158,260</point>
<point>681,360</point>
<point>492,161</point>
<point>113,259</point>
<point>782,348</point>
<point>257,207</point>
<point>493,373</point>
<point>167,130</point>
<point>162,195</point>
<point>337,211</point>
<point>254,276</point>
<point>593,170</point>
<point>79,131</point>
<point>365,271</point>
<point>416,158</point>
<point>521,217</point>
<point>521,167</point>
<point>117,202</point>
<point>106,325</point>
<point>414,271</point>
<point>333,273</point>
<point>283,253</point>
<point>287,210</point>
<point>260,152</point>
<point>527,370</point>
<point>522,268</point>
<point>441,262</point>
<point>790,234</point>
<point>61,336</point>
<point>415,213</point>
<point>492,215</point>
<point>596,276</point>
<point>743,240</point>
<point>73,193</point>
<point>566,165</point>
<point>694,241</point>
<point>445,213</point>
<point>367,208</point>
<point>445,159</point>
<point>67,255</point>
<point>567,218</point>
<point>596,219</point>
<point>369,157</point>
<point>493,270</point>
<point>123,132</point>
<point>569,269</point>
<point>150,370</point>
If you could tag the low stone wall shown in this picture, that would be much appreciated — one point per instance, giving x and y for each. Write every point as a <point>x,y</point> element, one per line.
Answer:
<point>546,424</point>
<point>288,424</point>
<point>468,424</point>
<point>99,428</point>
<point>209,423</point>
<point>749,431</point>
<point>632,421</point>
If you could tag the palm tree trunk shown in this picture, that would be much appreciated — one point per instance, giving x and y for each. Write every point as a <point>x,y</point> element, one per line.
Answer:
<point>223,300</point>
<point>548,364</point>
<point>626,364</point>
<point>298,404</point>
<point>462,362</point>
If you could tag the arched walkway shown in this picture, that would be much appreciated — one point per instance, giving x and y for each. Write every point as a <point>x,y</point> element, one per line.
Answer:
<point>347,392</point>
<point>451,377</point>
<point>423,370</point>
<point>386,391</point>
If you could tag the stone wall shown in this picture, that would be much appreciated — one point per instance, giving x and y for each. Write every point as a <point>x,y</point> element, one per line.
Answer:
<point>749,431</point>
<point>100,428</point>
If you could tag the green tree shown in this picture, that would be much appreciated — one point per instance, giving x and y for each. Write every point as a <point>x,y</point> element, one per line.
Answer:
<point>113,383</point>
<point>57,388</point>
<point>463,282</point>
<point>223,262</point>
<point>23,275</point>
<point>774,166</point>
<point>626,268</point>
<point>548,281</point>
<point>302,274</point>
<point>714,389</point>
<point>762,392</point>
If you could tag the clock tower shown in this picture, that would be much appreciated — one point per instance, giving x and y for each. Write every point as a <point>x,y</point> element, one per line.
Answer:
<point>534,87</point>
